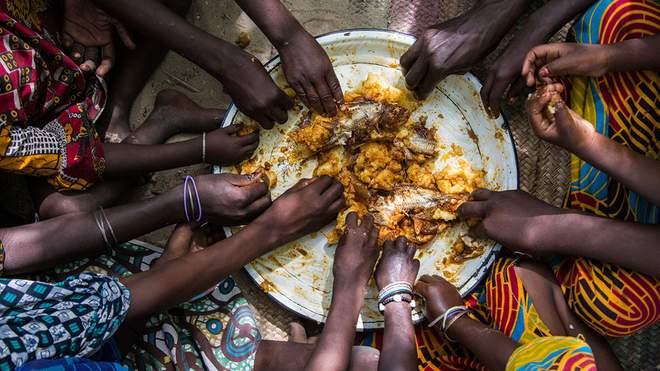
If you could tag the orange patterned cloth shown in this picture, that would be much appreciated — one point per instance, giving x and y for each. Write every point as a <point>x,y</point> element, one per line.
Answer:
<point>48,109</point>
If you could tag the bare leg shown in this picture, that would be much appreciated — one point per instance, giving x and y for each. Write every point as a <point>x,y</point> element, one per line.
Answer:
<point>282,355</point>
<point>293,355</point>
<point>133,70</point>
<point>555,313</point>
<point>173,113</point>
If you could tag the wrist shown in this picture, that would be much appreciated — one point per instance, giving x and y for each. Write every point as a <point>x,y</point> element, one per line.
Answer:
<point>289,37</point>
<point>455,330</point>
<point>172,204</point>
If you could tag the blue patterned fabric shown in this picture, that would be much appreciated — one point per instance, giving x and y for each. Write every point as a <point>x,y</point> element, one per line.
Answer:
<point>71,364</point>
<point>72,318</point>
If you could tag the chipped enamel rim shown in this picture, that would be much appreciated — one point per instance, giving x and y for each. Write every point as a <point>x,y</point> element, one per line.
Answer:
<point>296,302</point>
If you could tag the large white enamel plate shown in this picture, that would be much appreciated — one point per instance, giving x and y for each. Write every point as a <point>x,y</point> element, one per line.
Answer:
<point>299,275</point>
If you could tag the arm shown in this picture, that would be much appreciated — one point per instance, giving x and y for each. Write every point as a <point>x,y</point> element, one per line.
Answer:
<point>241,74</point>
<point>491,347</point>
<point>569,130</point>
<point>226,200</point>
<point>570,59</point>
<point>612,241</point>
<point>355,257</point>
<point>306,65</point>
<point>543,23</point>
<point>523,223</point>
<point>36,246</point>
<point>633,55</point>
<point>456,45</point>
<point>333,349</point>
<point>126,160</point>
<point>399,348</point>
<point>398,264</point>
<point>283,222</point>
<point>637,172</point>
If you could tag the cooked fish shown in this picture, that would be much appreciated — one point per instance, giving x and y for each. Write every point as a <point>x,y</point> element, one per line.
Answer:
<point>419,203</point>
<point>356,123</point>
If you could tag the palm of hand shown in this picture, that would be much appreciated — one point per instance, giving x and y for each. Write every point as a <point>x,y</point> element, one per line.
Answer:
<point>86,24</point>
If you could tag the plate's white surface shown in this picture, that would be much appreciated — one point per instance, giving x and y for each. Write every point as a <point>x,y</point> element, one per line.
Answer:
<point>299,275</point>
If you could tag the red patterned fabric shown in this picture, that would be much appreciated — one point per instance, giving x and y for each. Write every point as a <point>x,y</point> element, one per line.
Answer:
<point>48,109</point>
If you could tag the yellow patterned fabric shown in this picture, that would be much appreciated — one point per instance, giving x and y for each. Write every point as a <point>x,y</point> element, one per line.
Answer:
<point>504,304</point>
<point>622,106</point>
<point>553,353</point>
<point>613,300</point>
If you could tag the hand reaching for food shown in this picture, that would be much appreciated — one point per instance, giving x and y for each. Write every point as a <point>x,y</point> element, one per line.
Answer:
<point>229,199</point>
<point>441,50</point>
<point>255,94</point>
<point>515,219</point>
<point>88,36</point>
<point>309,72</point>
<point>304,208</point>
<point>357,251</point>
<point>439,295</point>
<point>545,63</point>
<point>226,147</point>
<point>554,122</point>
<point>397,263</point>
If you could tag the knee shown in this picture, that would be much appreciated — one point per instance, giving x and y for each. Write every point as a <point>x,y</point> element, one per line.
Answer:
<point>57,204</point>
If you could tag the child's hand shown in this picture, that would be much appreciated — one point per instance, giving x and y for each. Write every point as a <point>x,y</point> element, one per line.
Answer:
<point>230,199</point>
<point>253,91</point>
<point>564,59</point>
<point>225,147</point>
<point>309,72</point>
<point>513,218</point>
<point>552,121</point>
<point>304,208</point>
<point>397,263</point>
<point>439,295</point>
<point>87,35</point>
<point>357,252</point>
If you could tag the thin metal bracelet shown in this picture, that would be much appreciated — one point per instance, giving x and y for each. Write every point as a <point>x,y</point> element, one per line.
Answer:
<point>99,225</point>
<point>199,201</point>
<point>443,315</point>
<point>112,231</point>
<point>204,147</point>
<point>451,322</point>
<point>185,199</point>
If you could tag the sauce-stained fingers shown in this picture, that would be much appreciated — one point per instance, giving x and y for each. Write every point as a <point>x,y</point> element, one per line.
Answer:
<point>472,209</point>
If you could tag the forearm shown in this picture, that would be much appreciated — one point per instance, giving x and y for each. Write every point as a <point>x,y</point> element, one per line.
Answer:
<point>496,16</point>
<point>211,265</point>
<point>37,246</point>
<point>637,172</point>
<point>333,349</point>
<point>491,347</point>
<point>160,24</point>
<point>135,159</point>
<point>633,55</point>
<point>544,22</point>
<point>399,350</point>
<point>273,19</point>
<point>613,241</point>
